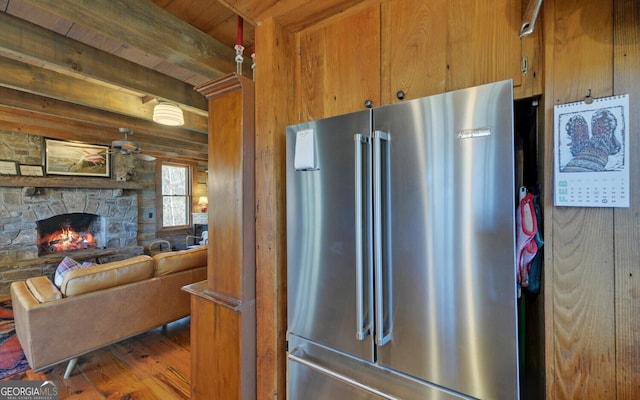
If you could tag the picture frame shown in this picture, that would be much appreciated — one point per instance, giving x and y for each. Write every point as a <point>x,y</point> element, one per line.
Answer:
<point>75,158</point>
<point>31,170</point>
<point>9,167</point>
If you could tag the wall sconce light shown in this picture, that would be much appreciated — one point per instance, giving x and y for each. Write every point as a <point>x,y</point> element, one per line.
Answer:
<point>203,202</point>
<point>168,114</point>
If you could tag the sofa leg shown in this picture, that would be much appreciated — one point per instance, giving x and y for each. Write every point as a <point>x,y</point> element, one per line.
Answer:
<point>70,367</point>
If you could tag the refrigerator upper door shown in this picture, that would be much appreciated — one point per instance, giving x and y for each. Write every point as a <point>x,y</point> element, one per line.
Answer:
<point>328,233</point>
<point>447,201</point>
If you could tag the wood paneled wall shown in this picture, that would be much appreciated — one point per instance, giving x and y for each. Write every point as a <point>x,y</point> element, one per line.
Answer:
<point>626,222</point>
<point>592,268</point>
<point>592,273</point>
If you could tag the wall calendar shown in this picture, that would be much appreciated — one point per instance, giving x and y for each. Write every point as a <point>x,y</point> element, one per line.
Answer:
<point>591,156</point>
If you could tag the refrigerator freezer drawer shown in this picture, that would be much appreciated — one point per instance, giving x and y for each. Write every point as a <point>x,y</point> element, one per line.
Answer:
<point>309,383</point>
<point>316,372</point>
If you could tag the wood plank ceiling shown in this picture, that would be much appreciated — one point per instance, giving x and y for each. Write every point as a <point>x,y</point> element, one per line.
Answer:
<point>80,69</point>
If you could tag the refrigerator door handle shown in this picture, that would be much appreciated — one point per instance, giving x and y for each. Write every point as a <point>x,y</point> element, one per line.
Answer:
<point>363,328</point>
<point>380,205</point>
<point>298,355</point>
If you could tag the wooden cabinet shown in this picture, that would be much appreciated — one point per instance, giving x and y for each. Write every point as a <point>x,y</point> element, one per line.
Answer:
<point>339,64</point>
<point>414,48</point>
<point>483,43</point>
<point>383,48</point>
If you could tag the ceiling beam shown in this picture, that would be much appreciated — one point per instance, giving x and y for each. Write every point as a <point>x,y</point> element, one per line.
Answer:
<point>33,123</point>
<point>27,42</point>
<point>144,25</point>
<point>24,77</point>
<point>18,100</point>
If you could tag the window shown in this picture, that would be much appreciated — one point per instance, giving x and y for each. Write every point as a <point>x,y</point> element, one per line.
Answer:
<point>174,205</point>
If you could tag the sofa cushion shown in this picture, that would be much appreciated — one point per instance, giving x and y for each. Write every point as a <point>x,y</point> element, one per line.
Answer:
<point>167,263</point>
<point>104,276</point>
<point>43,289</point>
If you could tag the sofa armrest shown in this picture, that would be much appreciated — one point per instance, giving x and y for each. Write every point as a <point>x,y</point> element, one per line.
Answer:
<point>43,289</point>
<point>20,294</point>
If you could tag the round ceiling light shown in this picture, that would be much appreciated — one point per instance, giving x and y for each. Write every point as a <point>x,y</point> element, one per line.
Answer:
<point>168,114</point>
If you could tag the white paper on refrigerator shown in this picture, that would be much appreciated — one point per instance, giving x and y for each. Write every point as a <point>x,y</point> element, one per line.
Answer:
<point>305,151</point>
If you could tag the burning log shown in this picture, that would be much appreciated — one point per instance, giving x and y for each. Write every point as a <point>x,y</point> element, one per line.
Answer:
<point>66,239</point>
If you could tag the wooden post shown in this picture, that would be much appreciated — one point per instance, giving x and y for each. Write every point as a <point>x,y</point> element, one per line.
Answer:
<point>223,337</point>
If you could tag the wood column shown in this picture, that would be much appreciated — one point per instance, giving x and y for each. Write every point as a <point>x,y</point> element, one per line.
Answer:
<point>223,334</point>
<point>275,70</point>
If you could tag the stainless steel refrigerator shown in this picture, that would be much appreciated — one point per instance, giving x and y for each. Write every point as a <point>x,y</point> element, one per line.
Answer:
<point>401,251</point>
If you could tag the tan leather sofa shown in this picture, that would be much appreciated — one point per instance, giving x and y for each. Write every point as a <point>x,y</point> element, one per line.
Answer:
<point>101,305</point>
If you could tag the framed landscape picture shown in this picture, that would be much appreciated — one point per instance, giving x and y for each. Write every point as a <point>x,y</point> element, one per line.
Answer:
<point>74,158</point>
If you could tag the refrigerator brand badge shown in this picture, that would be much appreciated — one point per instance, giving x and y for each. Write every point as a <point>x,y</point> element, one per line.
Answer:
<point>473,133</point>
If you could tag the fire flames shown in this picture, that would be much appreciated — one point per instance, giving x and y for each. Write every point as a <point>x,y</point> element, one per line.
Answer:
<point>66,239</point>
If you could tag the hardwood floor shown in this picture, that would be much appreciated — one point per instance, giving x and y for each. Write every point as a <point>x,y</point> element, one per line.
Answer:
<point>152,365</point>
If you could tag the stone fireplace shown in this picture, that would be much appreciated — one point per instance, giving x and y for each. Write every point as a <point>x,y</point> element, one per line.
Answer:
<point>28,217</point>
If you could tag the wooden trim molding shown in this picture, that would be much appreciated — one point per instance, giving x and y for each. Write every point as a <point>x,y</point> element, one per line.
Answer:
<point>223,85</point>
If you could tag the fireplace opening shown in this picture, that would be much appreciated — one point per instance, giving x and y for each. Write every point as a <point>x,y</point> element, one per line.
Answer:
<point>68,232</point>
